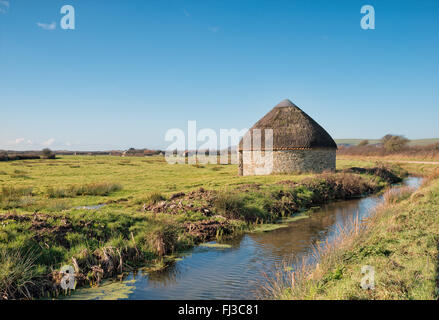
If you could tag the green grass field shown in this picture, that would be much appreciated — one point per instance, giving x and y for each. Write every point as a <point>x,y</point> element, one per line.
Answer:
<point>153,211</point>
<point>139,177</point>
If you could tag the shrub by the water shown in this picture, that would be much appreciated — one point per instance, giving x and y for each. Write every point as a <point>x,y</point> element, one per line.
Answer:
<point>159,236</point>
<point>162,240</point>
<point>318,190</point>
<point>230,205</point>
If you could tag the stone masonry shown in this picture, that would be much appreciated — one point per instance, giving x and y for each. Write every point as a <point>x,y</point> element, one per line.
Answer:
<point>287,161</point>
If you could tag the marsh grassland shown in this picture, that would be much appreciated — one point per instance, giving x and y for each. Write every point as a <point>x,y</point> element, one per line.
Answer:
<point>110,215</point>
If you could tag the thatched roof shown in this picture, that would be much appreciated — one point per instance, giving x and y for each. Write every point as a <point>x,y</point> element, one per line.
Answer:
<point>292,129</point>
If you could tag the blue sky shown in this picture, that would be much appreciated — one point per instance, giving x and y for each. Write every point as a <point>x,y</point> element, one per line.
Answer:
<point>131,69</point>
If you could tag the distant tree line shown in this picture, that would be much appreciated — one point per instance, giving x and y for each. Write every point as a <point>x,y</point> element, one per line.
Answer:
<point>12,156</point>
<point>391,144</point>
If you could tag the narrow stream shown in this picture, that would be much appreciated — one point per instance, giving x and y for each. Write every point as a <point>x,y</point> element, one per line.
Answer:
<point>237,272</point>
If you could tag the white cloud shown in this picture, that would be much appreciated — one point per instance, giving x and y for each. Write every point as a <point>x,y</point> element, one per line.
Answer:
<point>20,141</point>
<point>4,5</point>
<point>214,29</point>
<point>48,142</point>
<point>46,26</point>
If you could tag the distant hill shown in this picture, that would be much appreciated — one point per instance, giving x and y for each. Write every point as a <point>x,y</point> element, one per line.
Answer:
<point>416,142</point>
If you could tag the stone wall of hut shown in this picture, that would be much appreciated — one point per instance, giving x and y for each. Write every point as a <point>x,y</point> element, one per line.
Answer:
<point>288,161</point>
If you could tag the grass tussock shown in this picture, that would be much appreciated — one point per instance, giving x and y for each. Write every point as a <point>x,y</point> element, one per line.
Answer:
<point>150,200</point>
<point>155,197</point>
<point>91,189</point>
<point>162,239</point>
<point>56,205</point>
<point>230,205</point>
<point>16,197</point>
<point>394,196</point>
<point>10,192</point>
<point>19,174</point>
<point>17,274</point>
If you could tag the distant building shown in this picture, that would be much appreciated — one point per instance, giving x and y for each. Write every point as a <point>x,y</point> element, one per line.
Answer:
<point>299,144</point>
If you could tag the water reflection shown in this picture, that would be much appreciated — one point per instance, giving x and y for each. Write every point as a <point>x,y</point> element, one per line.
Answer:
<point>304,233</point>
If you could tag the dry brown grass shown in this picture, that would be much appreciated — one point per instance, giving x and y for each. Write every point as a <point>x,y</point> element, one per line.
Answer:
<point>393,196</point>
<point>430,152</point>
<point>434,175</point>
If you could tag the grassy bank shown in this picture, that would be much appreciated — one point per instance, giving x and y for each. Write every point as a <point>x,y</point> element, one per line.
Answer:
<point>108,215</point>
<point>400,241</point>
<point>416,167</point>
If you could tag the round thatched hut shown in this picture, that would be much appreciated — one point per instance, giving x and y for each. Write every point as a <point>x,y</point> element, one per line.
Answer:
<point>299,144</point>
